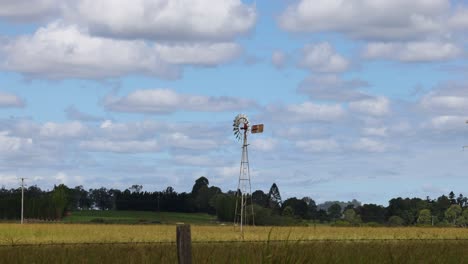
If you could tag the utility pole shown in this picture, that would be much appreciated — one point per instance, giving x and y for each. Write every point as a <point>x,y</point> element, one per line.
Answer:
<point>22,200</point>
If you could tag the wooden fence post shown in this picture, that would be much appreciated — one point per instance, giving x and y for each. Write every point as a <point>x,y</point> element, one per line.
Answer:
<point>184,244</point>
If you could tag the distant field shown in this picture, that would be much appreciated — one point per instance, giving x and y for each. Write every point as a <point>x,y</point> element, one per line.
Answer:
<point>98,243</point>
<point>98,233</point>
<point>138,217</point>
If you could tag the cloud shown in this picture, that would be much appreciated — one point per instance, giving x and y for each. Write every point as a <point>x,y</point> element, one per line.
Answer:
<point>176,20</point>
<point>73,113</point>
<point>63,130</point>
<point>459,20</point>
<point>59,51</point>
<point>163,101</point>
<point>375,131</point>
<point>305,112</point>
<point>412,51</point>
<point>204,54</point>
<point>321,57</point>
<point>370,145</point>
<point>181,140</point>
<point>318,145</point>
<point>8,100</point>
<point>28,10</point>
<point>194,160</point>
<point>366,19</point>
<point>445,102</point>
<point>10,144</point>
<point>448,122</point>
<point>378,106</point>
<point>264,144</point>
<point>278,59</point>
<point>332,87</point>
<point>446,99</point>
<point>130,131</point>
<point>121,146</point>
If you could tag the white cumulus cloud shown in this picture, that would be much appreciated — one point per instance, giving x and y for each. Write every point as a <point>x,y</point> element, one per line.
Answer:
<point>10,100</point>
<point>121,146</point>
<point>60,51</point>
<point>370,145</point>
<point>28,10</point>
<point>321,57</point>
<point>378,106</point>
<point>412,51</point>
<point>318,145</point>
<point>397,19</point>
<point>178,20</point>
<point>167,101</point>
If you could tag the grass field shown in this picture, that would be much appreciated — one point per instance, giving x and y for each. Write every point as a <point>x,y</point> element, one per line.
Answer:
<point>421,251</point>
<point>87,242</point>
<point>138,217</point>
<point>15,234</point>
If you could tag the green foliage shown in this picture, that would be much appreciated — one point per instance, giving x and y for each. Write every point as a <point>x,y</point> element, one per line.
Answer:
<point>274,198</point>
<point>288,211</point>
<point>351,217</point>
<point>334,211</point>
<point>202,200</point>
<point>425,217</point>
<point>225,206</point>
<point>199,183</point>
<point>395,220</point>
<point>452,213</point>
<point>299,207</point>
<point>59,200</point>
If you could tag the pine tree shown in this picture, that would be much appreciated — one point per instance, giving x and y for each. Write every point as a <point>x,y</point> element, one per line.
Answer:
<point>274,198</point>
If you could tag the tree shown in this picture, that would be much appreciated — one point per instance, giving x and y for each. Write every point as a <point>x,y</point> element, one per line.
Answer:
<point>440,206</point>
<point>135,188</point>
<point>260,198</point>
<point>425,217</point>
<point>372,213</point>
<point>101,198</point>
<point>59,200</point>
<point>311,207</point>
<point>274,198</point>
<point>225,205</point>
<point>288,211</point>
<point>199,183</point>
<point>299,207</point>
<point>351,216</point>
<point>452,198</point>
<point>452,213</point>
<point>334,211</point>
<point>202,200</point>
<point>395,220</point>
<point>462,220</point>
<point>462,201</point>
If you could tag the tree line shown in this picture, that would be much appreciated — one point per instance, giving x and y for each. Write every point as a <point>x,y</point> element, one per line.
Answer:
<point>268,207</point>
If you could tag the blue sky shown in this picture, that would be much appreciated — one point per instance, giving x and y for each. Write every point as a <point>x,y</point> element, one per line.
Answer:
<point>360,99</point>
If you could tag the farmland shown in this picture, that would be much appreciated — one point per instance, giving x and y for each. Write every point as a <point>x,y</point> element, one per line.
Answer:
<point>64,243</point>
<point>138,217</point>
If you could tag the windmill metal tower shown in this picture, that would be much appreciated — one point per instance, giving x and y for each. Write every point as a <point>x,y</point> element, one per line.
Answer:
<point>244,189</point>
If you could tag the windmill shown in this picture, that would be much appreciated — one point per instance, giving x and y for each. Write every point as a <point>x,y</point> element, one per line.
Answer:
<point>241,129</point>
